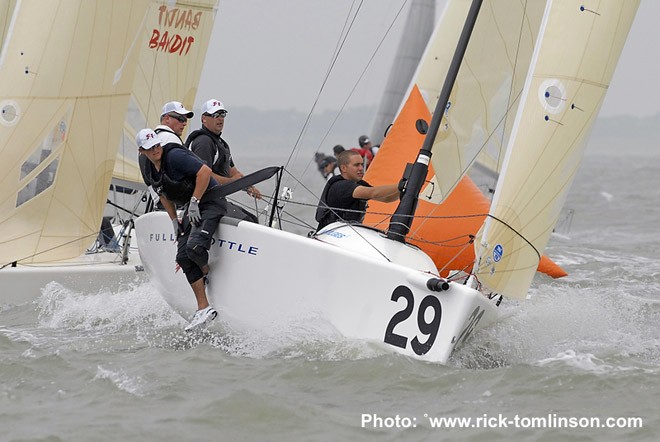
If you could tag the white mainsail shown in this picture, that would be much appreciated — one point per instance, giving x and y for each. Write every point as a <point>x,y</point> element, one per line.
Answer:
<point>486,90</point>
<point>66,71</point>
<point>172,46</point>
<point>572,66</point>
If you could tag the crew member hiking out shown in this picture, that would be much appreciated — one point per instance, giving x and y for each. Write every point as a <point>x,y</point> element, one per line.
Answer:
<point>179,177</point>
<point>173,120</point>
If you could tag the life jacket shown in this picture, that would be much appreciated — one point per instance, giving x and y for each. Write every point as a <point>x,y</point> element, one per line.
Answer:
<point>326,214</point>
<point>164,128</point>
<point>221,163</point>
<point>179,192</point>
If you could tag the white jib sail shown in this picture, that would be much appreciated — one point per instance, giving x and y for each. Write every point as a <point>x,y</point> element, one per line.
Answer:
<point>572,67</point>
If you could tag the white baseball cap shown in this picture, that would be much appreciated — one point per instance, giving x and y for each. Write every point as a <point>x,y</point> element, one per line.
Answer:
<point>177,108</point>
<point>213,106</point>
<point>146,139</point>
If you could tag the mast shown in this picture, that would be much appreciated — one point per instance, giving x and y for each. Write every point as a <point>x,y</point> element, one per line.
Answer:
<point>403,216</point>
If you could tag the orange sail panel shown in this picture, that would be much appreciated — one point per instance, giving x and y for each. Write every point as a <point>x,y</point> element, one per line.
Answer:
<point>445,231</point>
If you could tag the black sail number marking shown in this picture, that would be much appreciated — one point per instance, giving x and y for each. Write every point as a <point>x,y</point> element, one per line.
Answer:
<point>473,320</point>
<point>428,328</point>
<point>400,316</point>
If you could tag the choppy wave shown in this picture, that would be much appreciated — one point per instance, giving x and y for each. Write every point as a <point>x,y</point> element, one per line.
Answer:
<point>62,307</point>
<point>587,313</point>
<point>120,379</point>
<point>587,362</point>
<point>602,320</point>
<point>140,317</point>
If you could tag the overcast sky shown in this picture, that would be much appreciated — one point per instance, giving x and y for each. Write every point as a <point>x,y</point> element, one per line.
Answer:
<point>274,54</point>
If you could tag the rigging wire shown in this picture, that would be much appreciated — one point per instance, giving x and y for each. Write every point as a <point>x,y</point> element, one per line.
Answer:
<point>340,44</point>
<point>412,237</point>
<point>362,74</point>
<point>342,41</point>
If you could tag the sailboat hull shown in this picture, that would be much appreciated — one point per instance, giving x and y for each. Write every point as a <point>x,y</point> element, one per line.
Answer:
<point>350,277</point>
<point>87,274</point>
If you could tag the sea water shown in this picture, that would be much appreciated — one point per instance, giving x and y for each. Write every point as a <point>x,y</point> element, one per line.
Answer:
<point>578,361</point>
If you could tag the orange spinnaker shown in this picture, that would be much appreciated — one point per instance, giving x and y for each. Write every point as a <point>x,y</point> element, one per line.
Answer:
<point>446,236</point>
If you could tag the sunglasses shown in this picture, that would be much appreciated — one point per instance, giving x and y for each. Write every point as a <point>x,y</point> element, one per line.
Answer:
<point>218,114</point>
<point>177,117</point>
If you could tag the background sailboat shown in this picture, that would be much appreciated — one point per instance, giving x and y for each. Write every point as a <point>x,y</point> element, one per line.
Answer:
<point>174,41</point>
<point>444,231</point>
<point>66,70</point>
<point>72,94</point>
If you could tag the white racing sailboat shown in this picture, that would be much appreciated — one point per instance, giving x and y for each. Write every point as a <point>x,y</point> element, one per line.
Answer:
<point>383,289</point>
<point>76,82</point>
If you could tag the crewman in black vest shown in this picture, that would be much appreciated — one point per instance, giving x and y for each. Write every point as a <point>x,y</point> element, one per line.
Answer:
<point>179,177</point>
<point>345,196</point>
<point>208,144</point>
